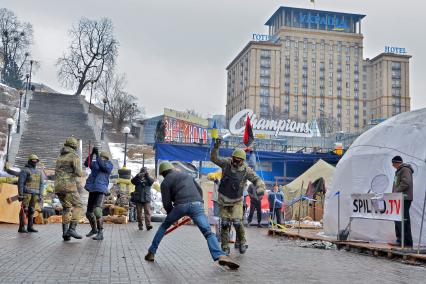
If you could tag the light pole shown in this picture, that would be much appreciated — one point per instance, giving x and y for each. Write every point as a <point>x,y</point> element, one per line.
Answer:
<point>104,100</point>
<point>133,109</point>
<point>18,126</point>
<point>10,123</point>
<point>31,70</point>
<point>126,131</point>
<point>91,91</point>
<point>27,77</point>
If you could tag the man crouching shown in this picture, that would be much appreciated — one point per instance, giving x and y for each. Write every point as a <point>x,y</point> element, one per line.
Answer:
<point>182,196</point>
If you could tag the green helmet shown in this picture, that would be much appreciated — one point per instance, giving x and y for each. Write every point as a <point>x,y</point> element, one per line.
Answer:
<point>239,153</point>
<point>104,154</point>
<point>72,142</point>
<point>165,166</point>
<point>33,157</point>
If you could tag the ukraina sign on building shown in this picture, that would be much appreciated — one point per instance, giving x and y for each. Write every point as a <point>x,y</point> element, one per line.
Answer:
<point>284,127</point>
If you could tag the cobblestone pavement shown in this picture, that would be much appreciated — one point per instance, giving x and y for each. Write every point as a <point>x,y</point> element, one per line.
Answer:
<point>183,257</point>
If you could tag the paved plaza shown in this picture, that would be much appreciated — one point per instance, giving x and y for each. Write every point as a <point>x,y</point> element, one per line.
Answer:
<point>183,257</point>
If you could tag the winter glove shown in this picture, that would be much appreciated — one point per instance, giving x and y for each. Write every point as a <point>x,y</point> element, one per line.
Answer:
<point>260,191</point>
<point>20,198</point>
<point>217,143</point>
<point>95,151</point>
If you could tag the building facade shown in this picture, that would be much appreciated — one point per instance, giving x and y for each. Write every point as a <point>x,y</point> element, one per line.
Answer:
<point>311,68</point>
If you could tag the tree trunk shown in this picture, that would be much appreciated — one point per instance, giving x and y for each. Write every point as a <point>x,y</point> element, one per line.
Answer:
<point>80,88</point>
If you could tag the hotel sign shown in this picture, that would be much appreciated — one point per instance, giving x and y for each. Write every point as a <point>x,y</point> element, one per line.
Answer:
<point>262,37</point>
<point>394,49</point>
<point>261,126</point>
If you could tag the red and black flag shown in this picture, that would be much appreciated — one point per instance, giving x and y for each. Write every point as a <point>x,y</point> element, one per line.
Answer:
<point>248,133</point>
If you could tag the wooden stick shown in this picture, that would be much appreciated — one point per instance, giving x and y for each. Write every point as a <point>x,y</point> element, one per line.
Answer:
<point>183,221</point>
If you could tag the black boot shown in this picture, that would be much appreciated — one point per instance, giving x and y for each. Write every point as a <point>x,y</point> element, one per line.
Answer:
<point>72,232</point>
<point>243,248</point>
<point>64,232</point>
<point>31,223</point>
<point>92,221</point>
<point>100,235</point>
<point>22,223</point>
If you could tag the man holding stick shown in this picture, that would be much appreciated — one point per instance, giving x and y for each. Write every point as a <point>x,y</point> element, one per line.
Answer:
<point>182,196</point>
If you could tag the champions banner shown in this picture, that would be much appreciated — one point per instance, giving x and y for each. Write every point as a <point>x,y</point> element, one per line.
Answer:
<point>386,206</point>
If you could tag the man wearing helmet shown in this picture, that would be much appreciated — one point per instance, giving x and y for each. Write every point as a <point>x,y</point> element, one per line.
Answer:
<point>235,173</point>
<point>67,170</point>
<point>30,187</point>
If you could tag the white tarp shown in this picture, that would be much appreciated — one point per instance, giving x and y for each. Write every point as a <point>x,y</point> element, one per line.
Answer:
<point>370,157</point>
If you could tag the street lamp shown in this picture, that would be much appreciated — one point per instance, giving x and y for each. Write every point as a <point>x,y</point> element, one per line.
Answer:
<point>104,100</point>
<point>18,126</point>
<point>91,91</point>
<point>10,123</point>
<point>27,77</point>
<point>31,70</point>
<point>126,131</point>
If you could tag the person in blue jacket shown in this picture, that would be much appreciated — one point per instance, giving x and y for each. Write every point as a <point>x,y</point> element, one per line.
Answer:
<point>97,186</point>
<point>276,199</point>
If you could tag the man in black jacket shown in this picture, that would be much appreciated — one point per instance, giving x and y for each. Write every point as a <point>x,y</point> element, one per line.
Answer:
<point>183,196</point>
<point>255,204</point>
<point>142,197</point>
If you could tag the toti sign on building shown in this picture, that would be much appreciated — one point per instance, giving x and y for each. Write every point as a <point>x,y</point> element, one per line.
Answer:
<point>269,127</point>
<point>181,127</point>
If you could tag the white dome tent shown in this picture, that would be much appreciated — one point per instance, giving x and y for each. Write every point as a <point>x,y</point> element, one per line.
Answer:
<point>370,157</point>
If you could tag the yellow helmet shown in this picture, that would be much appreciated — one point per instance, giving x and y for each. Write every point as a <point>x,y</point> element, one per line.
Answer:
<point>165,166</point>
<point>33,157</point>
<point>72,142</point>
<point>239,153</point>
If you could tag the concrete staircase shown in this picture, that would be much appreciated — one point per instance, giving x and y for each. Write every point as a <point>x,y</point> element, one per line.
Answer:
<point>51,119</point>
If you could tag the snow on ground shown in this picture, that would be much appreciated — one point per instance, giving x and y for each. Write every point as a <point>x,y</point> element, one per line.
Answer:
<point>135,164</point>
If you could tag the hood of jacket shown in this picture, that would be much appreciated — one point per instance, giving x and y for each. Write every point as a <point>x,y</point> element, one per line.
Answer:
<point>67,149</point>
<point>405,166</point>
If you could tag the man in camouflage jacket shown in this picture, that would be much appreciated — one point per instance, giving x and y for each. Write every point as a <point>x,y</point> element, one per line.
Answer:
<point>68,169</point>
<point>235,173</point>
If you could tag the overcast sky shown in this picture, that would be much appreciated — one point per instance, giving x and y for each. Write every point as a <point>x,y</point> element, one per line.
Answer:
<point>175,52</point>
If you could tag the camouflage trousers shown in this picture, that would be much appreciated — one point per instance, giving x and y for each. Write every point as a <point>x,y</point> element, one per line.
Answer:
<point>231,215</point>
<point>29,202</point>
<point>72,206</point>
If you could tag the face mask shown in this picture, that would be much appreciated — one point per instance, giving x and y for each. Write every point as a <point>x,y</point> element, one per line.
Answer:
<point>237,162</point>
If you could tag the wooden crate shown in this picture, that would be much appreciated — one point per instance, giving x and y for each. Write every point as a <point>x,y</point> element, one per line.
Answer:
<point>9,213</point>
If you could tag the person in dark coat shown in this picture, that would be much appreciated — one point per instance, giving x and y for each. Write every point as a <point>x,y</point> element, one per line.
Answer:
<point>97,186</point>
<point>183,196</point>
<point>276,200</point>
<point>255,204</point>
<point>142,197</point>
<point>403,184</point>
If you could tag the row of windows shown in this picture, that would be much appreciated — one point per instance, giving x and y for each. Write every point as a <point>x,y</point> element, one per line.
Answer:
<point>339,46</point>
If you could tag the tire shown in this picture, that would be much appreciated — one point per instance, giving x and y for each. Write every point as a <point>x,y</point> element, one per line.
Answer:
<point>125,173</point>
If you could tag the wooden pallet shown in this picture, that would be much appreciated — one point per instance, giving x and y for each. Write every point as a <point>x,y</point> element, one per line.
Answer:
<point>372,249</point>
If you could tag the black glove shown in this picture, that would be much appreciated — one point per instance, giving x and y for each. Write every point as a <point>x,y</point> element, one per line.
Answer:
<point>20,198</point>
<point>217,142</point>
<point>95,151</point>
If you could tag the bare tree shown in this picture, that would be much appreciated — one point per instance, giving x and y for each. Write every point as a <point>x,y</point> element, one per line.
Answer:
<point>93,50</point>
<point>16,39</point>
<point>121,105</point>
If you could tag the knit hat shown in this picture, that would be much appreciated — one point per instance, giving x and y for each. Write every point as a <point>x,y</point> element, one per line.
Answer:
<point>397,159</point>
